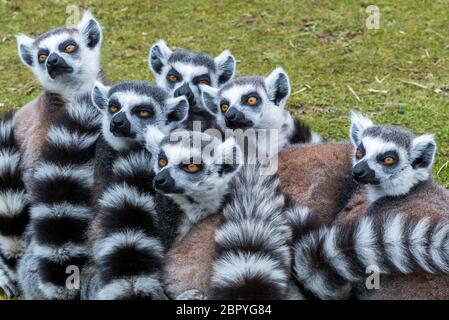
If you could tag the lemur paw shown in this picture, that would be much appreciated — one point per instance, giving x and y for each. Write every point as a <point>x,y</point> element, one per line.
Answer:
<point>8,285</point>
<point>192,294</point>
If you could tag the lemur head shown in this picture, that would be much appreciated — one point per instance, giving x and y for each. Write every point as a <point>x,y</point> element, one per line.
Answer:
<point>388,159</point>
<point>129,107</point>
<point>191,166</point>
<point>64,60</point>
<point>250,102</point>
<point>181,71</point>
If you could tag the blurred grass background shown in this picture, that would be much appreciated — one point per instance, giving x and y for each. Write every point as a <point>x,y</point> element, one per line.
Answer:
<point>397,74</point>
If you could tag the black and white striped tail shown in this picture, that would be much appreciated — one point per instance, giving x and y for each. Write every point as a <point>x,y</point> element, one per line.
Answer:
<point>127,250</point>
<point>60,195</point>
<point>330,259</point>
<point>253,253</point>
<point>14,209</point>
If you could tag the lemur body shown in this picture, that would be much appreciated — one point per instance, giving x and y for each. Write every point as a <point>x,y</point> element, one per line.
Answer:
<point>406,187</point>
<point>133,226</point>
<point>208,178</point>
<point>202,175</point>
<point>59,191</point>
<point>402,226</point>
<point>65,62</point>
<point>258,103</point>
<point>181,72</point>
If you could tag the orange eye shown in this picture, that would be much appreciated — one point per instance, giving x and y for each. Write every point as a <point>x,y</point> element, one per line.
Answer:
<point>173,78</point>
<point>42,58</point>
<point>224,107</point>
<point>144,114</point>
<point>113,108</point>
<point>389,161</point>
<point>359,154</point>
<point>162,163</point>
<point>251,101</point>
<point>205,82</point>
<point>193,168</point>
<point>70,48</point>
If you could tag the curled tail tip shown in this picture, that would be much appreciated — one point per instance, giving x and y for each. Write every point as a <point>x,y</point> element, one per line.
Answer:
<point>242,276</point>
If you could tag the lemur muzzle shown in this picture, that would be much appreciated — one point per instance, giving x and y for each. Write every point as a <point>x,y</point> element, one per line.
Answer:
<point>362,173</point>
<point>236,119</point>
<point>120,126</point>
<point>185,90</point>
<point>56,66</point>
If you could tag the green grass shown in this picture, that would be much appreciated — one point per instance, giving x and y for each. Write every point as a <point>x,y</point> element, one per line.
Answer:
<point>324,46</point>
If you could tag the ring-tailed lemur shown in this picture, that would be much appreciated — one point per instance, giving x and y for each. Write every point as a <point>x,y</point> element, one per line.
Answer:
<point>403,229</point>
<point>60,212</point>
<point>181,72</point>
<point>14,214</point>
<point>193,169</point>
<point>132,228</point>
<point>258,103</point>
<point>128,108</point>
<point>66,62</point>
<point>202,175</point>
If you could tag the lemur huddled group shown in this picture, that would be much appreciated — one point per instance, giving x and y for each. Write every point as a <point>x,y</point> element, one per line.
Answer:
<point>149,191</point>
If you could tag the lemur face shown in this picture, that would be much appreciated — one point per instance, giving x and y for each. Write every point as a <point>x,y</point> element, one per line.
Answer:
<point>182,72</point>
<point>129,107</point>
<point>389,157</point>
<point>250,102</point>
<point>66,59</point>
<point>191,164</point>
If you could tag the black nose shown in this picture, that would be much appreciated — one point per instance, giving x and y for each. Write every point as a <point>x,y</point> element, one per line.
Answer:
<point>185,90</point>
<point>362,173</point>
<point>232,114</point>
<point>118,120</point>
<point>120,126</point>
<point>160,180</point>
<point>164,183</point>
<point>53,59</point>
<point>56,65</point>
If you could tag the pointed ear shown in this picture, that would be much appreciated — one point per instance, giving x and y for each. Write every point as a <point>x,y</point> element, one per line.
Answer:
<point>177,109</point>
<point>158,57</point>
<point>228,156</point>
<point>99,96</point>
<point>90,30</point>
<point>278,86</point>
<point>153,138</point>
<point>423,151</point>
<point>209,97</point>
<point>25,47</point>
<point>359,123</point>
<point>225,63</point>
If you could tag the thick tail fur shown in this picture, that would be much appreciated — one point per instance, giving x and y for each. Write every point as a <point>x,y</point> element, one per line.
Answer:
<point>327,261</point>
<point>14,209</point>
<point>60,195</point>
<point>128,250</point>
<point>252,243</point>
